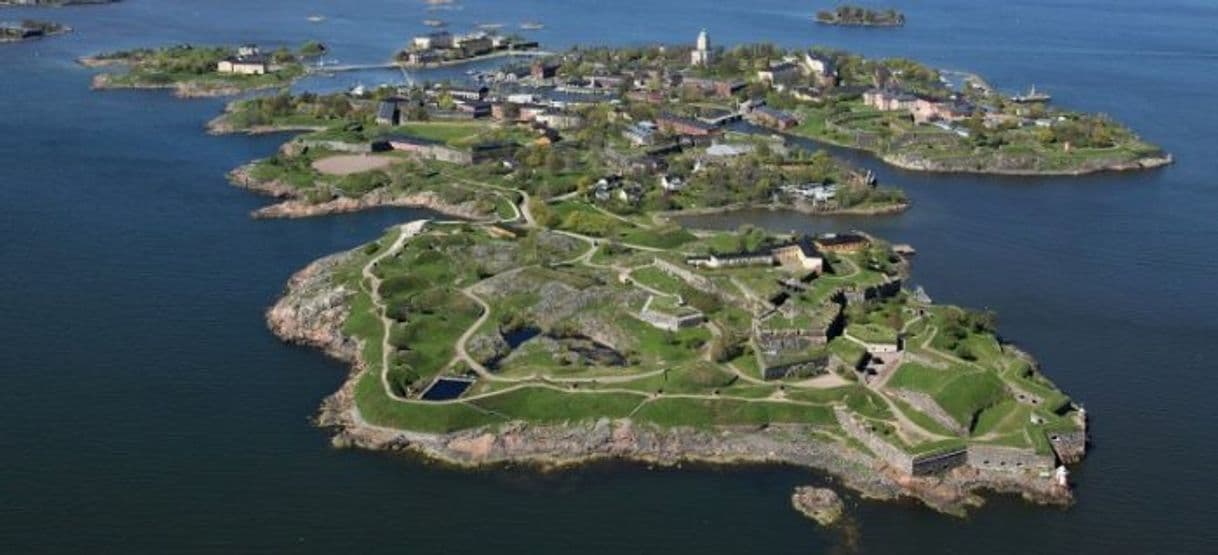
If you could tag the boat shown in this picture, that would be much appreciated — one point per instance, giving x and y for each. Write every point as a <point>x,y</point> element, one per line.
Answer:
<point>1032,95</point>
<point>316,18</point>
<point>532,26</point>
<point>490,26</point>
<point>434,23</point>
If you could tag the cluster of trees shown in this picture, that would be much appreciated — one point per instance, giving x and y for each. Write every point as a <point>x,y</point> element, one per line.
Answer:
<point>1082,132</point>
<point>266,109</point>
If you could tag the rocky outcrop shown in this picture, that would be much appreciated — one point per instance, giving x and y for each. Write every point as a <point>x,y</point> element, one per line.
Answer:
<point>295,206</point>
<point>819,504</point>
<point>312,310</point>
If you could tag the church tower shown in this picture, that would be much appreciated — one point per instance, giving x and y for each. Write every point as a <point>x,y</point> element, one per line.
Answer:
<point>701,55</point>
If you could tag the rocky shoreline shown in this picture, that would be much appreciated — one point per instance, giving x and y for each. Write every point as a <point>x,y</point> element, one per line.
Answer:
<point>292,206</point>
<point>220,125</point>
<point>922,165</point>
<point>187,89</point>
<point>773,206</point>
<point>312,311</point>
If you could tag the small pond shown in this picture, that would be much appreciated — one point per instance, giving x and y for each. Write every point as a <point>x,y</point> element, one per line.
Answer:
<point>446,388</point>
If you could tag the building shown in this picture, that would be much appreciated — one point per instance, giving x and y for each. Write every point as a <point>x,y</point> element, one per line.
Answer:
<point>701,55</point>
<point>822,68</point>
<point>475,46</point>
<point>801,254</point>
<point>438,39</point>
<point>543,70</point>
<point>815,193</point>
<point>887,100</point>
<point>469,93</point>
<point>387,112</point>
<point>684,126</point>
<point>670,315</point>
<point>428,149</point>
<point>248,61</point>
<point>842,242</point>
<point>726,150</point>
<point>778,72</point>
<point>556,119</point>
<point>774,119</point>
<point>926,110</point>
<point>718,87</point>
<point>641,133</point>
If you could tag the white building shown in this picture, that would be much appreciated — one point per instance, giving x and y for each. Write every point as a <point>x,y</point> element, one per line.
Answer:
<point>701,56</point>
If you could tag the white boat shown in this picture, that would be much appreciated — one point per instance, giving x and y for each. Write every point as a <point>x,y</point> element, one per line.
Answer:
<point>316,18</point>
<point>532,26</point>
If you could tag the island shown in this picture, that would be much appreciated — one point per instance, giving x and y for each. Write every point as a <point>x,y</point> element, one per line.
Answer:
<point>563,314</point>
<point>517,342</point>
<point>860,17</point>
<point>462,150</point>
<point>202,71</point>
<point>30,29</point>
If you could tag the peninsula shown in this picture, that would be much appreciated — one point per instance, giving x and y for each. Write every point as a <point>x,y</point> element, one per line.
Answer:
<point>860,17</point>
<point>30,29</point>
<point>201,71</point>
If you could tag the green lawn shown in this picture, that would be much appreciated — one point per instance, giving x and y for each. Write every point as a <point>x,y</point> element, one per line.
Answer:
<point>445,132</point>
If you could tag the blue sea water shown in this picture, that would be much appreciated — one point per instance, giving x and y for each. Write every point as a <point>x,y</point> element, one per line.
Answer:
<point>147,409</point>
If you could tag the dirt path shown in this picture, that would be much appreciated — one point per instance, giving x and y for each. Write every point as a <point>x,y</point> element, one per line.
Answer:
<point>405,232</point>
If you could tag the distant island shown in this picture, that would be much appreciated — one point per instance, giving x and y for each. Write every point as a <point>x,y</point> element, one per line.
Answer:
<point>194,71</point>
<point>30,29</point>
<point>859,16</point>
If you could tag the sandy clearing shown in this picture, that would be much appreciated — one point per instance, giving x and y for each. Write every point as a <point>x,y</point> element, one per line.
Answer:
<point>346,164</point>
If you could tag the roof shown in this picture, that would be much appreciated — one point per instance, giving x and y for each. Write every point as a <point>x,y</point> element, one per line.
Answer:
<point>386,109</point>
<point>776,114</point>
<point>408,139</point>
<point>721,149</point>
<point>678,120</point>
